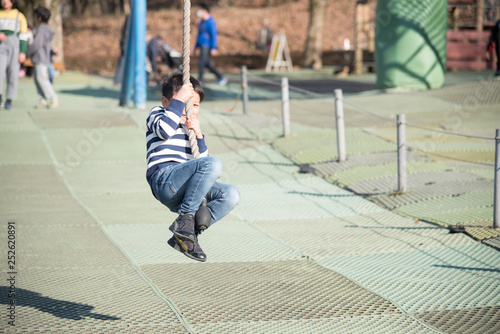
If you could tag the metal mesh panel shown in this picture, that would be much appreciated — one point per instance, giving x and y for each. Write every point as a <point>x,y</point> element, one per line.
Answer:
<point>63,246</point>
<point>299,199</point>
<point>468,321</point>
<point>393,104</point>
<point>23,148</point>
<point>357,174</point>
<point>493,242</point>
<point>388,184</point>
<point>256,165</point>
<point>468,146</point>
<point>431,191</point>
<point>229,240</point>
<point>330,168</point>
<point>483,171</point>
<point>471,156</point>
<point>73,147</point>
<point>93,326</point>
<point>129,208</point>
<point>471,94</point>
<point>355,118</point>
<point>15,206</point>
<point>481,233</point>
<point>107,178</point>
<point>395,323</point>
<point>360,234</point>
<point>309,147</point>
<point>444,204</point>
<point>476,216</point>
<point>75,216</point>
<point>224,135</point>
<point>88,299</point>
<point>30,181</point>
<point>442,278</point>
<point>92,118</point>
<point>264,291</point>
<point>16,120</point>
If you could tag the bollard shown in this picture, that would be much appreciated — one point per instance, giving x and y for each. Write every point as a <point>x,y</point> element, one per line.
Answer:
<point>401,123</point>
<point>496,192</point>
<point>244,86</point>
<point>339,114</point>
<point>285,106</point>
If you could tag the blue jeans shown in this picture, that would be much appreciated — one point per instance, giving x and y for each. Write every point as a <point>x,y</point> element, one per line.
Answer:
<point>182,187</point>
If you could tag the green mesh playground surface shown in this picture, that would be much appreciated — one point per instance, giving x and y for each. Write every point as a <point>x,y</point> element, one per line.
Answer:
<point>473,320</point>
<point>439,165</point>
<point>493,242</point>
<point>375,232</point>
<point>142,241</point>
<point>311,147</point>
<point>394,323</point>
<point>261,291</point>
<point>361,173</point>
<point>297,255</point>
<point>424,280</point>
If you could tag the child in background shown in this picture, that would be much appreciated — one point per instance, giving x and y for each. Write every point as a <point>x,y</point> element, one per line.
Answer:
<point>13,43</point>
<point>177,180</point>
<point>39,52</point>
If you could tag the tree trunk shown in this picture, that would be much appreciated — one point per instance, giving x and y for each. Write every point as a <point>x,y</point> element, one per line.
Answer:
<point>117,7</point>
<point>314,43</point>
<point>55,23</point>
<point>78,11</point>
<point>224,3</point>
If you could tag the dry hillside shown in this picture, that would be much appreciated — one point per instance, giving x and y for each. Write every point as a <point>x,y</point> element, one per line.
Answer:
<point>92,44</point>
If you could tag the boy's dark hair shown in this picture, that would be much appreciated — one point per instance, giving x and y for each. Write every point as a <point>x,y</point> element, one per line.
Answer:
<point>205,6</point>
<point>43,13</point>
<point>172,84</point>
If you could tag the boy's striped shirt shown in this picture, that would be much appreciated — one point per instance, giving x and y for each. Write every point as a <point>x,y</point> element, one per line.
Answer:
<point>167,140</point>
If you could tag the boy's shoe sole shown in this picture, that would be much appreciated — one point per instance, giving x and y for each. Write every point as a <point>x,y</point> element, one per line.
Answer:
<point>180,246</point>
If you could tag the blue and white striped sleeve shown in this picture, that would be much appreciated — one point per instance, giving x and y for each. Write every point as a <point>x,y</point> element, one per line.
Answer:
<point>164,122</point>
<point>202,147</point>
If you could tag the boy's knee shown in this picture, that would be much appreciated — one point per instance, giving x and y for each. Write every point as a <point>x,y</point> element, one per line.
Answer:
<point>215,165</point>
<point>233,195</point>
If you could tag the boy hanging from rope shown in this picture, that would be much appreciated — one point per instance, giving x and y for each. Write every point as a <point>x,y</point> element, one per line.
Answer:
<point>177,180</point>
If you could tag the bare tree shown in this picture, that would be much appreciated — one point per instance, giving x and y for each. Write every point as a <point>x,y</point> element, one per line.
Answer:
<point>314,43</point>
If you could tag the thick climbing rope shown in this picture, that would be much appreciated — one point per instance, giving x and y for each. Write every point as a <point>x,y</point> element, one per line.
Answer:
<point>186,70</point>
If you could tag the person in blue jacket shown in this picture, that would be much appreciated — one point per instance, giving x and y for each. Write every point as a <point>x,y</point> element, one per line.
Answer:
<point>207,43</point>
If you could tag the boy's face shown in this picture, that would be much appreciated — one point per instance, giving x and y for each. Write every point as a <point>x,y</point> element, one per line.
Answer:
<point>195,110</point>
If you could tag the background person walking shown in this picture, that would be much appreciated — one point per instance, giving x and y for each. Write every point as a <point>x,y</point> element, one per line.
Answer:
<point>207,43</point>
<point>13,44</point>
<point>39,52</point>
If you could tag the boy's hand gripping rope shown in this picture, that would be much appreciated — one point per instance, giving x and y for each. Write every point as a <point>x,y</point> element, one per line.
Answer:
<point>186,75</point>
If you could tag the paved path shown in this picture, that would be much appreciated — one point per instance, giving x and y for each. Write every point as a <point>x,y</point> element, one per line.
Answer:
<point>298,255</point>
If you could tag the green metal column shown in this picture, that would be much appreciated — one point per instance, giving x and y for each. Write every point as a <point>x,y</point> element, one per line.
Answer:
<point>410,43</point>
